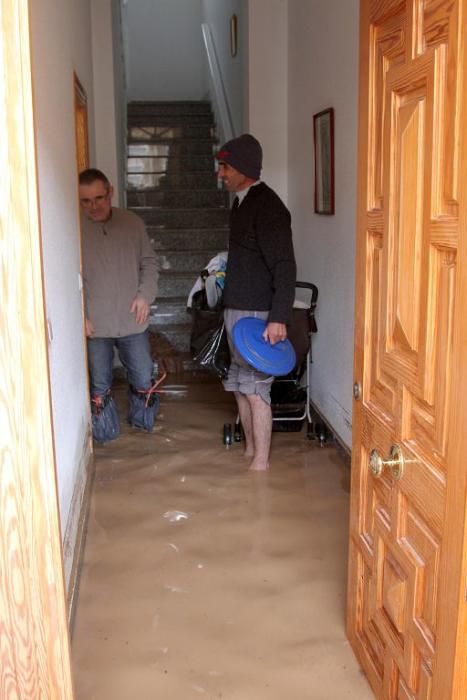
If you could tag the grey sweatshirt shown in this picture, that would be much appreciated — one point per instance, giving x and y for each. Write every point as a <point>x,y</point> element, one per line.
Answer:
<point>118,264</point>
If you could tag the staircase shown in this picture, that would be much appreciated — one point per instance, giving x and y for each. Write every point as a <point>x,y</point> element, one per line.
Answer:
<point>172,185</point>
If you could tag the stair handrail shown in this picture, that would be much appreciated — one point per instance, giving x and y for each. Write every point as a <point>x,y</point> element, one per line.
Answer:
<point>221,104</point>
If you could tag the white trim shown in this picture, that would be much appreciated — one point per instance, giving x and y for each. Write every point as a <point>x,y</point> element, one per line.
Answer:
<point>218,97</point>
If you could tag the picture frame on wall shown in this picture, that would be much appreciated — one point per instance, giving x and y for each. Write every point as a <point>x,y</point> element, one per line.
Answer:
<point>323,136</point>
<point>233,35</point>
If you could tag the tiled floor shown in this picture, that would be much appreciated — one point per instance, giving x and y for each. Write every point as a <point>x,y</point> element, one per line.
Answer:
<point>203,580</point>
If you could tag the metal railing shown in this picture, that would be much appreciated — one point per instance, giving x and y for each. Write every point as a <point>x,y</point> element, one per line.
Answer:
<point>220,102</point>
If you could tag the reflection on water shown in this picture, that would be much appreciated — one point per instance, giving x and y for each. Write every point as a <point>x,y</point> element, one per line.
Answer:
<point>201,579</point>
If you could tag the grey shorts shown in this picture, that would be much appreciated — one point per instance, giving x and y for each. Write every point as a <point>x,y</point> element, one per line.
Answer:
<point>243,377</point>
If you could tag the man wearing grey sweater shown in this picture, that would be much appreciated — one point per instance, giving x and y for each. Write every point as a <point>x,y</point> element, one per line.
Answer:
<point>120,282</point>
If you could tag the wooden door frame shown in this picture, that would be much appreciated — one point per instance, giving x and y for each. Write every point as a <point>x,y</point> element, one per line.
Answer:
<point>453,565</point>
<point>33,619</point>
<point>81,124</point>
<point>450,673</point>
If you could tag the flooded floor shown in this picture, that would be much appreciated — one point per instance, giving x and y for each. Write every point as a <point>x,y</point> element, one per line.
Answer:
<point>201,579</point>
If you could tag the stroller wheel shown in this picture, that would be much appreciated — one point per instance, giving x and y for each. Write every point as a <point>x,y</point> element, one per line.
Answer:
<point>227,433</point>
<point>323,435</point>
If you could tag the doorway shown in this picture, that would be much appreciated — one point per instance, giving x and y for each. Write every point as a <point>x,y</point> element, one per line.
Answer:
<point>35,646</point>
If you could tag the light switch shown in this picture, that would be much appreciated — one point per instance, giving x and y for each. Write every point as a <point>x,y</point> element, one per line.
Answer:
<point>49,330</point>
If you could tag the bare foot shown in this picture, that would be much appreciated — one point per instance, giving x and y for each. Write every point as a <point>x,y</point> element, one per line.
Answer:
<point>257,466</point>
<point>249,453</point>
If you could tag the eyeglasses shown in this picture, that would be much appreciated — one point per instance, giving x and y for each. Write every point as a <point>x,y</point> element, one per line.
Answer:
<point>95,201</point>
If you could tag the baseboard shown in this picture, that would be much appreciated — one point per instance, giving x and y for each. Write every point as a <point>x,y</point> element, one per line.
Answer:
<point>343,449</point>
<point>75,535</point>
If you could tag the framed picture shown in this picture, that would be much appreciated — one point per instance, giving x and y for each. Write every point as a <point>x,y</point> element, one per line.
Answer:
<point>323,133</point>
<point>233,35</point>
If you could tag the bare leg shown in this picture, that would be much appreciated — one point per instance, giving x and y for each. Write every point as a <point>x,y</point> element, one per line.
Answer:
<point>245,417</point>
<point>261,418</point>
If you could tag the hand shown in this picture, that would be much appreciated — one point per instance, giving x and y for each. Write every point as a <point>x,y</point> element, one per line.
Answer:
<point>89,328</point>
<point>274,332</point>
<point>140,307</point>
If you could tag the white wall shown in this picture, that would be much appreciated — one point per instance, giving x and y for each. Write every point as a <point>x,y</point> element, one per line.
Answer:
<point>107,112</point>
<point>234,69</point>
<point>61,45</point>
<point>119,97</point>
<point>323,72</point>
<point>267,88</point>
<point>164,47</point>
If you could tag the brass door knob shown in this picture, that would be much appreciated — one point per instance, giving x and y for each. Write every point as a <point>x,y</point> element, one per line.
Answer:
<point>396,463</point>
<point>376,463</point>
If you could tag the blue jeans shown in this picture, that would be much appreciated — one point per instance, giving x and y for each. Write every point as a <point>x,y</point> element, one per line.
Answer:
<point>135,356</point>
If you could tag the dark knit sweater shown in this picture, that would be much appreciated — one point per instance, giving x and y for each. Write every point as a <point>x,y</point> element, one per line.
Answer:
<point>261,268</point>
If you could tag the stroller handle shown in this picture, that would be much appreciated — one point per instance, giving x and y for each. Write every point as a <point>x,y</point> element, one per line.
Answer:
<point>314,298</point>
<point>309,285</point>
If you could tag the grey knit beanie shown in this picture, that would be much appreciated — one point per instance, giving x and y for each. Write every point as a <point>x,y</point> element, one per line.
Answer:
<point>243,153</point>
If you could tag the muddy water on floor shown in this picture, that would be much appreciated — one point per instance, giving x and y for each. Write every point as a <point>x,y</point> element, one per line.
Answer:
<point>202,579</point>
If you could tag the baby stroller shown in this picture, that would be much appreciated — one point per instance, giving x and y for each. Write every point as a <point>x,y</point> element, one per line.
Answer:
<point>290,394</point>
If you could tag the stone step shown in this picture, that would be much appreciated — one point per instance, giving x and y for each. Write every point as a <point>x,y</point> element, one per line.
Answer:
<point>176,147</point>
<point>168,121</point>
<point>177,179</point>
<point>169,107</point>
<point>172,184</point>
<point>168,133</point>
<point>176,364</point>
<point>176,284</point>
<point>189,365</point>
<point>185,260</point>
<point>167,358</point>
<point>170,311</point>
<point>168,163</point>
<point>183,218</point>
<point>178,199</point>
<point>177,335</point>
<point>188,239</point>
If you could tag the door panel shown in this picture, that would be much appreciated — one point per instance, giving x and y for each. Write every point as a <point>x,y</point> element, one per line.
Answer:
<point>411,121</point>
<point>34,642</point>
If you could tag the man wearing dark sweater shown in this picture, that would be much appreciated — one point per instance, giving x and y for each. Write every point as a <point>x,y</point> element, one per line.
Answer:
<point>260,282</point>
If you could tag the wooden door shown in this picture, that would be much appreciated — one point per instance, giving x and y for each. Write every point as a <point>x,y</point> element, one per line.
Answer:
<point>407,562</point>
<point>34,657</point>
<point>81,126</point>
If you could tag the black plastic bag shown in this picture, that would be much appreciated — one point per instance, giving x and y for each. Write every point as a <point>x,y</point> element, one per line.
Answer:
<point>208,342</point>
<point>215,355</point>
